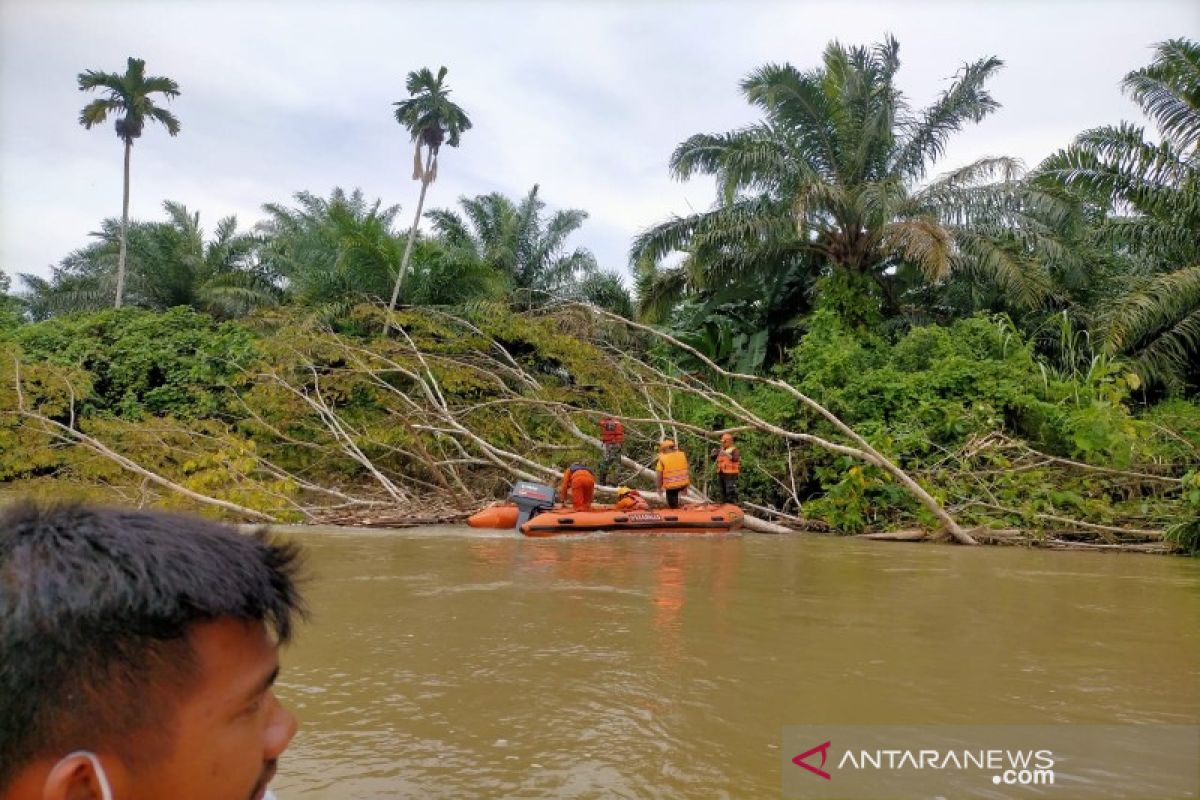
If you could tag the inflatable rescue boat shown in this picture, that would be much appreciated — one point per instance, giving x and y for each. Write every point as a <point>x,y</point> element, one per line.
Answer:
<point>533,513</point>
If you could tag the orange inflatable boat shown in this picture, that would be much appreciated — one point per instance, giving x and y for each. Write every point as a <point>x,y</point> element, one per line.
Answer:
<point>559,521</point>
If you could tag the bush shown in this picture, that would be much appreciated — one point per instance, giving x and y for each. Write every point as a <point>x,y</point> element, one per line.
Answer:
<point>174,363</point>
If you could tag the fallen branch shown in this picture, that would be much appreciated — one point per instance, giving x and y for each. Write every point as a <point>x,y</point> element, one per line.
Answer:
<point>864,451</point>
<point>96,446</point>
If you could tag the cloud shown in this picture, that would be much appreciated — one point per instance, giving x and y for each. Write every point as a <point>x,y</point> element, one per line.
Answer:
<point>586,99</point>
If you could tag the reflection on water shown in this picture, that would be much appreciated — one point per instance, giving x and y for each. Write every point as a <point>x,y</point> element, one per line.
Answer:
<point>454,663</point>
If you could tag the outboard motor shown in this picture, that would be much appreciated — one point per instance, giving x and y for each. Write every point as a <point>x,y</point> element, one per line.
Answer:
<point>530,499</point>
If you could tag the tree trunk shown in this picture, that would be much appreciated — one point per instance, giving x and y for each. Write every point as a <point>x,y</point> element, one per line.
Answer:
<point>124,230</point>
<point>408,246</point>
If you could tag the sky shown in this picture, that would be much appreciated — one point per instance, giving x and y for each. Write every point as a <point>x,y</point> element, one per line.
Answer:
<point>586,99</point>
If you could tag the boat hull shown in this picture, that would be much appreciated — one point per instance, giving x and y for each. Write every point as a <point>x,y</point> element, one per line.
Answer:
<point>706,518</point>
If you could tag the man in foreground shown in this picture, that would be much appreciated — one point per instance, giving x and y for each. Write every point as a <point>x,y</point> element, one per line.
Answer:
<point>137,654</point>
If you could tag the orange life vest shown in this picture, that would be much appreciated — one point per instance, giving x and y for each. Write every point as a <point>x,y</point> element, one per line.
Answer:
<point>611,431</point>
<point>632,501</point>
<point>729,461</point>
<point>674,469</point>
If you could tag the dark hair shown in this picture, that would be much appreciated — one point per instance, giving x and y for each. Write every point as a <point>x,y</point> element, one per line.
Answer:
<point>95,609</point>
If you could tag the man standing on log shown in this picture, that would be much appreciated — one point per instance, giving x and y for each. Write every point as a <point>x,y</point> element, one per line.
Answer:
<point>612,437</point>
<point>729,463</point>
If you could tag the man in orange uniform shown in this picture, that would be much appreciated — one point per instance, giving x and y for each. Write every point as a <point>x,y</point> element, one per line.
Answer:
<point>631,500</point>
<point>612,437</point>
<point>578,487</point>
<point>729,464</point>
<point>672,472</point>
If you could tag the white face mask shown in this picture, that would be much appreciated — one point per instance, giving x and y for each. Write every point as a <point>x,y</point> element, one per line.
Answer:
<point>102,776</point>
<point>98,768</point>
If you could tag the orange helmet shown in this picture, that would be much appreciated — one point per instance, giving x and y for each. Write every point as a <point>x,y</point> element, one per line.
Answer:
<point>666,444</point>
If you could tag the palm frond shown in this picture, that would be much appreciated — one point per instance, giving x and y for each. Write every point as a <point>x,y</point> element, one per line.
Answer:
<point>1168,90</point>
<point>923,242</point>
<point>966,100</point>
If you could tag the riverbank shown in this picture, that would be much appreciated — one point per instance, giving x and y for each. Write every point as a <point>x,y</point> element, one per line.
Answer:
<point>279,418</point>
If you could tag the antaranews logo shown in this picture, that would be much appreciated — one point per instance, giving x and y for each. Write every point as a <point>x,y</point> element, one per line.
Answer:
<point>1062,762</point>
<point>823,749</point>
<point>1010,767</point>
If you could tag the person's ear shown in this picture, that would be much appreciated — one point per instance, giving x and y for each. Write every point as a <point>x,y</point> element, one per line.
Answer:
<point>78,776</point>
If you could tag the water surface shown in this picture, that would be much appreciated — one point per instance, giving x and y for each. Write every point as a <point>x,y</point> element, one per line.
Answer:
<point>451,663</point>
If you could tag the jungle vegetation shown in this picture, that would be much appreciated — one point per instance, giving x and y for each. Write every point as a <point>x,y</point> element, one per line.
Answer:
<point>1025,344</point>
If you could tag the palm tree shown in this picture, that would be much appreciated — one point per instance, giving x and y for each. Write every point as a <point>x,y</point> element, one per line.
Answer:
<point>432,120</point>
<point>824,197</point>
<point>1145,202</point>
<point>129,96</point>
<point>519,241</point>
<point>169,264</point>
<point>332,252</point>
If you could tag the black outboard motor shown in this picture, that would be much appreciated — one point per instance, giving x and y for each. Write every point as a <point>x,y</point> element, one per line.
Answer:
<point>530,498</point>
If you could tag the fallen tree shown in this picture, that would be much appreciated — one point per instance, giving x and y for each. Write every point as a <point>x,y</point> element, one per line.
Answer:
<point>344,426</point>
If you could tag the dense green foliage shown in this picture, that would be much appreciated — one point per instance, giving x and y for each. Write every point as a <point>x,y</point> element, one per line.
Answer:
<point>139,363</point>
<point>226,409</point>
<point>963,404</point>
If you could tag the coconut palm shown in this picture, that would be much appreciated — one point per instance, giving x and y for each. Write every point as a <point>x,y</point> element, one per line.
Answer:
<point>826,195</point>
<point>1146,201</point>
<point>432,119</point>
<point>128,96</point>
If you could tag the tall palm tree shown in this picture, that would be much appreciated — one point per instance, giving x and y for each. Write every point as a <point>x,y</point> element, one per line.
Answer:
<point>1146,198</point>
<point>829,187</point>
<point>433,120</point>
<point>129,96</point>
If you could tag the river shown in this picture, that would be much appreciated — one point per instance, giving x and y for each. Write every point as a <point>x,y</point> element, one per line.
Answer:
<point>453,663</point>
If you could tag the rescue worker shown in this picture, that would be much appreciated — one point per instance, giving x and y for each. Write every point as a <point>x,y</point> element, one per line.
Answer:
<point>612,438</point>
<point>729,463</point>
<point>578,487</point>
<point>672,472</point>
<point>631,500</point>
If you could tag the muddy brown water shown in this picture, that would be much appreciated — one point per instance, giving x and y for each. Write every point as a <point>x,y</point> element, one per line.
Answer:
<point>449,663</point>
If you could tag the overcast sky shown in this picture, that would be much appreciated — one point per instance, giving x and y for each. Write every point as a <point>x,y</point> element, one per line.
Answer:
<point>586,98</point>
